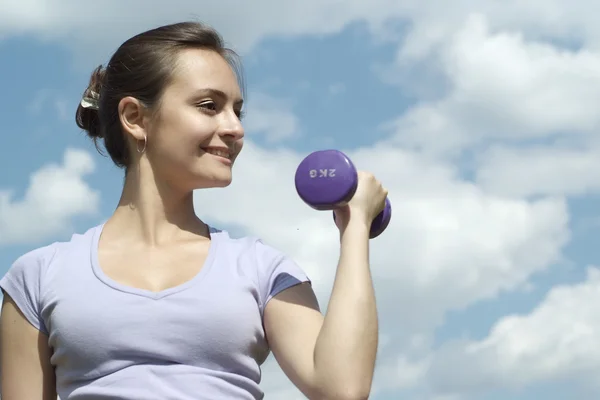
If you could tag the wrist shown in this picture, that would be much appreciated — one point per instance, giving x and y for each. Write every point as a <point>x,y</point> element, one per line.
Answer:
<point>356,227</point>
<point>361,217</point>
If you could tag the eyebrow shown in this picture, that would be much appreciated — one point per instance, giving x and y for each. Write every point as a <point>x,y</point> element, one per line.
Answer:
<point>218,93</point>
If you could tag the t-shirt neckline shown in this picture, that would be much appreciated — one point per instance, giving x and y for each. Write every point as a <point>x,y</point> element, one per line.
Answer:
<point>148,293</point>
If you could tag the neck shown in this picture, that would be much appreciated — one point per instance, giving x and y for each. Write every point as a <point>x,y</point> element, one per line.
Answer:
<point>155,212</point>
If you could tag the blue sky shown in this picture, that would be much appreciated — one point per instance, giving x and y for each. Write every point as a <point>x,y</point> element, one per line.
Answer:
<point>412,95</point>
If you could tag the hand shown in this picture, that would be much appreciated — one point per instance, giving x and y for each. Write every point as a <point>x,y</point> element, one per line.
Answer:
<point>365,205</point>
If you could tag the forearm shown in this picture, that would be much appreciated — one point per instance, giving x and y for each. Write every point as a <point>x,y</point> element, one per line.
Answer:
<point>346,347</point>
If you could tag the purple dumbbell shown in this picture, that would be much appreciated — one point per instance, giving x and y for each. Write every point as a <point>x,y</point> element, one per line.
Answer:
<point>327,179</point>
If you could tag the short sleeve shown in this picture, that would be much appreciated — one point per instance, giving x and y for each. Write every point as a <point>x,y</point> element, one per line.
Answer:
<point>276,272</point>
<point>22,282</point>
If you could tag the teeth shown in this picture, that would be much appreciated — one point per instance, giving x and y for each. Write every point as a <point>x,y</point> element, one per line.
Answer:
<point>220,153</point>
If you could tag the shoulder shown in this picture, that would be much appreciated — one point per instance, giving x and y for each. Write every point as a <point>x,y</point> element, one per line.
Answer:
<point>34,264</point>
<point>275,269</point>
<point>251,248</point>
<point>24,282</point>
<point>241,244</point>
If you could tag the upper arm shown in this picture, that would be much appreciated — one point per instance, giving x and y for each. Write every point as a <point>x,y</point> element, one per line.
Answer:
<point>291,316</point>
<point>292,322</point>
<point>24,357</point>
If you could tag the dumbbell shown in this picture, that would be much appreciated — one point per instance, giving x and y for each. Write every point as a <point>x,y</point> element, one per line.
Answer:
<point>327,179</point>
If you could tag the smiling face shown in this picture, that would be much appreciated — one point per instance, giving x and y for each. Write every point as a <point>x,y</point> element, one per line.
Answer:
<point>196,134</point>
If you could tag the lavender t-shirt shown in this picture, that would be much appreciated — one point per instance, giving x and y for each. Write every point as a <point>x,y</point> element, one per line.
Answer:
<point>203,339</point>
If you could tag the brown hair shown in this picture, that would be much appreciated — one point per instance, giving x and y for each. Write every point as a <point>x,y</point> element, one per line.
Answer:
<point>141,68</point>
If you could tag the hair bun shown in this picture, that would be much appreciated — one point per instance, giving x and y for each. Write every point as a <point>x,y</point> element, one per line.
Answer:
<point>86,116</point>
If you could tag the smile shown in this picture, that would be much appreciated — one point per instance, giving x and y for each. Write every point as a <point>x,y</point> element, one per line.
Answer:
<point>217,152</point>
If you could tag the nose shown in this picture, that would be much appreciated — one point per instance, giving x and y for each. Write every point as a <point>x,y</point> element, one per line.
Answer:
<point>231,127</point>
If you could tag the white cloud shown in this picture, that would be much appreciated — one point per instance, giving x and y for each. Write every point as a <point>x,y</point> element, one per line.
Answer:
<point>56,194</point>
<point>271,117</point>
<point>554,342</point>
<point>407,373</point>
<point>541,170</point>
<point>502,87</point>
<point>242,24</point>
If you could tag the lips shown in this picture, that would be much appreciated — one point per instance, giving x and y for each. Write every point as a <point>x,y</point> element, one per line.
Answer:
<point>218,151</point>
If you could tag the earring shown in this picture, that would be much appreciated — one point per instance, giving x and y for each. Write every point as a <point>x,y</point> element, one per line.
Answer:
<point>143,148</point>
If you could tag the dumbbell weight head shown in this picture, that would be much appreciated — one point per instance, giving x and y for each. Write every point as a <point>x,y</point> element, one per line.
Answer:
<point>382,220</point>
<point>327,179</point>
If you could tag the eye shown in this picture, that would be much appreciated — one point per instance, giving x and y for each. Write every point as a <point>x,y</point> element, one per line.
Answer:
<point>208,105</point>
<point>240,114</point>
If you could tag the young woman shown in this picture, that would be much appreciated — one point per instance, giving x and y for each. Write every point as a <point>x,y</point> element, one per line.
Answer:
<point>155,304</point>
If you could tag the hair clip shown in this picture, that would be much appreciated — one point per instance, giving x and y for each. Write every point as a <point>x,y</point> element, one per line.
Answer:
<point>91,101</point>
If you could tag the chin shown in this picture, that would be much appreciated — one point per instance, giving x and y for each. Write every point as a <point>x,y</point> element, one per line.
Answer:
<point>207,175</point>
<point>221,184</point>
<point>205,182</point>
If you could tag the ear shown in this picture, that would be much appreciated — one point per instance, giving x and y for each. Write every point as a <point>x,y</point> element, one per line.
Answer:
<point>131,114</point>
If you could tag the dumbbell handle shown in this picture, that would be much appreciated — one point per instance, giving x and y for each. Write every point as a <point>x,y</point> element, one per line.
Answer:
<point>381,221</point>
